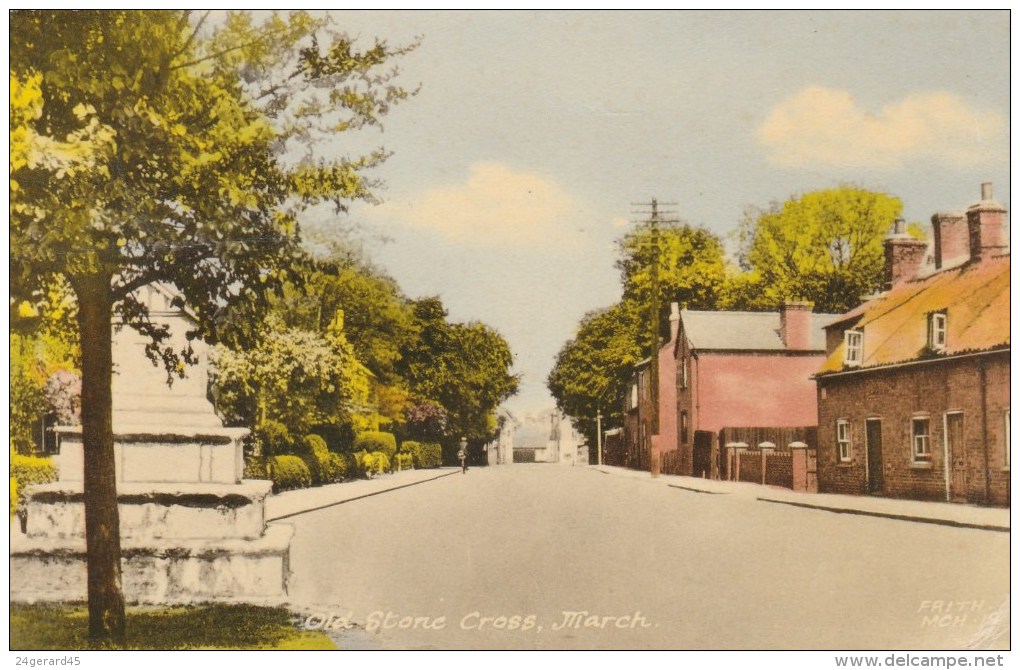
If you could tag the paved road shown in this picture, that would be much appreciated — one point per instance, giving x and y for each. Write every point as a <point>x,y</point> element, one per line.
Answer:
<point>499,558</point>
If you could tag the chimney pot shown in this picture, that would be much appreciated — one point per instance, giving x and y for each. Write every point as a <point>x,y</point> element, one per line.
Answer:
<point>986,190</point>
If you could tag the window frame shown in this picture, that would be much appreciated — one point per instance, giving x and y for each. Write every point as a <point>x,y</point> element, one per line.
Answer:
<point>843,431</point>
<point>853,351</point>
<point>937,326</point>
<point>920,439</point>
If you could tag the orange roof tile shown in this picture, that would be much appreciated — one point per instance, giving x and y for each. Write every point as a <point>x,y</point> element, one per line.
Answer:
<point>975,298</point>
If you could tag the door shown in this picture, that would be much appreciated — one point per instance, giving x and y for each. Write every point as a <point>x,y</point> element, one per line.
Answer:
<point>873,437</point>
<point>703,454</point>
<point>956,457</point>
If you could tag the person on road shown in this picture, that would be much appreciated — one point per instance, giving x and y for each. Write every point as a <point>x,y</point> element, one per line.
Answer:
<point>462,455</point>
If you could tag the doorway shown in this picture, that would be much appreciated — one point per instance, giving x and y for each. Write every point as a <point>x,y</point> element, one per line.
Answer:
<point>956,459</point>
<point>873,439</point>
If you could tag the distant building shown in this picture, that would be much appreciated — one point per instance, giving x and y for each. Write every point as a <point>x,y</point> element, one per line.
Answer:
<point>913,397</point>
<point>501,450</point>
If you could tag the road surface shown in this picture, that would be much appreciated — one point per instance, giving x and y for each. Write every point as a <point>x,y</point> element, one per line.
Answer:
<point>549,557</point>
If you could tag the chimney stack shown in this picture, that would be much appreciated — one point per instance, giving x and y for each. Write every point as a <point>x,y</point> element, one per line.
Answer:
<point>986,226</point>
<point>795,324</point>
<point>952,241</point>
<point>904,255</point>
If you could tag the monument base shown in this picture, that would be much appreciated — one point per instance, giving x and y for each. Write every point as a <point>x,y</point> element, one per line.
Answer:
<point>172,571</point>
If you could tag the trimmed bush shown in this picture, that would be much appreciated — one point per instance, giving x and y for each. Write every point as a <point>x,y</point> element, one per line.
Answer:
<point>290,472</point>
<point>425,454</point>
<point>26,471</point>
<point>32,469</point>
<point>403,462</point>
<point>333,469</point>
<point>255,468</point>
<point>313,451</point>
<point>370,464</point>
<point>273,438</point>
<point>375,440</point>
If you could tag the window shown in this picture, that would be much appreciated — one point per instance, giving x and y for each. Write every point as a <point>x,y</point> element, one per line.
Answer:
<point>937,331</point>
<point>633,396</point>
<point>684,429</point>
<point>843,440</point>
<point>683,372</point>
<point>854,340</point>
<point>920,428</point>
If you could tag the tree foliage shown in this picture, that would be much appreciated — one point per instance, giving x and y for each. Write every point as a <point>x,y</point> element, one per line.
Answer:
<point>823,246</point>
<point>465,368</point>
<point>297,378</point>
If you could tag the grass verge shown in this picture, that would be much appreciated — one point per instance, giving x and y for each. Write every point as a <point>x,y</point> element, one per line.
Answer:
<point>65,628</point>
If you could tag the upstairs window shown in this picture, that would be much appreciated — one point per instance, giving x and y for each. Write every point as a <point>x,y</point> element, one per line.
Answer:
<point>920,428</point>
<point>937,331</point>
<point>854,341</point>
<point>633,396</point>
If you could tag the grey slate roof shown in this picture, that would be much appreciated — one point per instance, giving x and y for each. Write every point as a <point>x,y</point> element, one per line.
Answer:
<point>745,331</point>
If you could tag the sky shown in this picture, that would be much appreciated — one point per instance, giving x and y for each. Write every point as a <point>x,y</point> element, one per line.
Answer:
<point>535,136</point>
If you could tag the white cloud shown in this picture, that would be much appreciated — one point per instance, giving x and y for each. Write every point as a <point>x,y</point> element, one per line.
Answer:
<point>824,127</point>
<point>496,205</point>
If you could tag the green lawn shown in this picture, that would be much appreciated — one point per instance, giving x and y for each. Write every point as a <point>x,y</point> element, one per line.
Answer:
<point>65,627</point>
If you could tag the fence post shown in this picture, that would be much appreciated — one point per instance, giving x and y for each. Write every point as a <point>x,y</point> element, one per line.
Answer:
<point>733,450</point>
<point>798,465</point>
<point>765,448</point>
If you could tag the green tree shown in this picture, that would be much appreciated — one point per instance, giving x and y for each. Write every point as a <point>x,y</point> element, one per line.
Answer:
<point>465,368</point>
<point>823,246</point>
<point>156,146</point>
<point>297,378</point>
<point>592,370</point>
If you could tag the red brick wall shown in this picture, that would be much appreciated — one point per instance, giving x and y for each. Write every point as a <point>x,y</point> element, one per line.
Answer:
<point>896,396</point>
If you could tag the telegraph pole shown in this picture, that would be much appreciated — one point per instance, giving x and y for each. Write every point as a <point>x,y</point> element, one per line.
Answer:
<point>598,427</point>
<point>654,324</point>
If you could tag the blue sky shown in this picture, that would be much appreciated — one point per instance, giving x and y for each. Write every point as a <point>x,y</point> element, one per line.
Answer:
<point>516,166</point>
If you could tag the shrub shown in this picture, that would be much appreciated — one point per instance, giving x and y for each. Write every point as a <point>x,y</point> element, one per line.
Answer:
<point>426,454</point>
<point>290,472</point>
<point>382,462</point>
<point>273,438</point>
<point>333,469</point>
<point>403,461</point>
<point>28,470</point>
<point>313,451</point>
<point>255,467</point>
<point>374,440</point>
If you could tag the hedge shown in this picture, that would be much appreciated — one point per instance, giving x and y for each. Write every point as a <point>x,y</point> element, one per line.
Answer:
<point>403,462</point>
<point>28,470</point>
<point>313,451</point>
<point>373,440</point>
<point>333,469</point>
<point>424,455</point>
<point>290,472</point>
<point>375,463</point>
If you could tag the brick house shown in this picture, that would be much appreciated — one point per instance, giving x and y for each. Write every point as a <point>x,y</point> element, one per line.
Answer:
<point>637,419</point>
<point>913,397</point>
<point>742,369</point>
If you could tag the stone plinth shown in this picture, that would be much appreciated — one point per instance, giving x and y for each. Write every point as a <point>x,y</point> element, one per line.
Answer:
<point>158,571</point>
<point>191,529</point>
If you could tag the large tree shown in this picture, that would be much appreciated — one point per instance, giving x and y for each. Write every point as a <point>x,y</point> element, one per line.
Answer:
<point>161,146</point>
<point>592,370</point>
<point>465,368</point>
<point>824,246</point>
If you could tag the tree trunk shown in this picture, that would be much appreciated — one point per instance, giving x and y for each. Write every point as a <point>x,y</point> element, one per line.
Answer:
<point>102,520</point>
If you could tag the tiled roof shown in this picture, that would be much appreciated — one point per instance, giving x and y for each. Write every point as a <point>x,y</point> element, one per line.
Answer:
<point>745,331</point>
<point>975,298</point>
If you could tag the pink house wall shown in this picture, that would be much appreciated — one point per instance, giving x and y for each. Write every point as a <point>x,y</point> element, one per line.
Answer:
<point>666,440</point>
<point>748,389</point>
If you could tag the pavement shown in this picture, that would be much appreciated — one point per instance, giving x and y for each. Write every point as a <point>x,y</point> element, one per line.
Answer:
<point>945,514</point>
<point>300,501</point>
